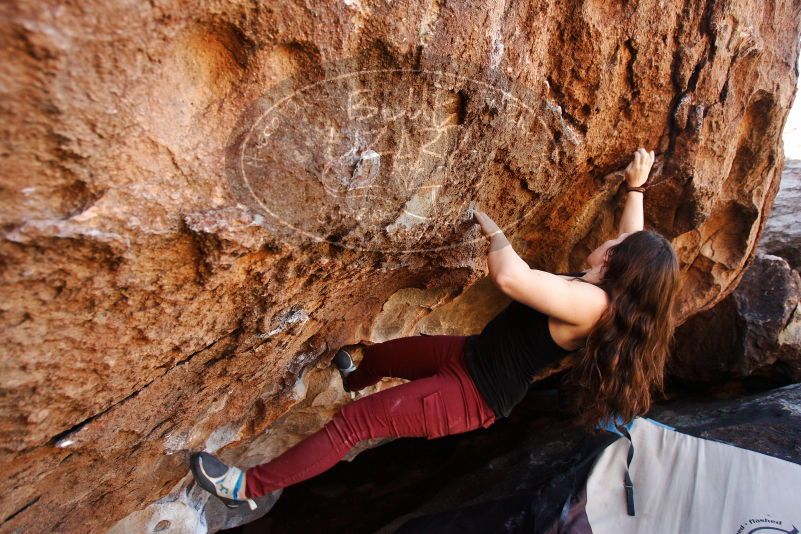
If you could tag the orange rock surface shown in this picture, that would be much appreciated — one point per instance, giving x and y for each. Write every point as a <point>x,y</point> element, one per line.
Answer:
<point>153,305</point>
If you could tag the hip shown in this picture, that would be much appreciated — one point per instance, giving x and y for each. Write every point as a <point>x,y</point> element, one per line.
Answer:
<point>473,396</point>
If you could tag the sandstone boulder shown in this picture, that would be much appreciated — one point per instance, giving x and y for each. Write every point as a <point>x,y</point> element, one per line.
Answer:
<point>157,300</point>
<point>782,235</point>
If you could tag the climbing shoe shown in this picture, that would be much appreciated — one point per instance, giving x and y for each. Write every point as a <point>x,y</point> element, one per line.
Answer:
<point>226,483</point>
<point>345,365</point>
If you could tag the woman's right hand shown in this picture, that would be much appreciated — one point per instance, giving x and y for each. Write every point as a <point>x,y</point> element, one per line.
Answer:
<point>637,171</point>
<point>488,226</point>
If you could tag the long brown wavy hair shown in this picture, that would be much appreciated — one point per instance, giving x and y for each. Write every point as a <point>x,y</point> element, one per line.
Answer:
<point>623,359</point>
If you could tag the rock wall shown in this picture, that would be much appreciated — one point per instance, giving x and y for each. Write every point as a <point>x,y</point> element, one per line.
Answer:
<point>156,300</point>
<point>754,332</point>
<point>782,236</point>
<point>753,336</point>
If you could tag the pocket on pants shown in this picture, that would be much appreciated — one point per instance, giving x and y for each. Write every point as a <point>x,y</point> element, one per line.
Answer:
<point>436,416</point>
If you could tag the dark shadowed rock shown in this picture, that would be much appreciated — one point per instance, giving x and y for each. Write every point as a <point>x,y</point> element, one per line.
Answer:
<point>755,331</point>
<point>782,235</point>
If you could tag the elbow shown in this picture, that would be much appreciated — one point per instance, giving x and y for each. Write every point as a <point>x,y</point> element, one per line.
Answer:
<point>502,281</point>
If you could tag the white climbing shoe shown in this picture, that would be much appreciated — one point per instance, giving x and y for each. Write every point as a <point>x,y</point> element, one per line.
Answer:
<point>227,483</point>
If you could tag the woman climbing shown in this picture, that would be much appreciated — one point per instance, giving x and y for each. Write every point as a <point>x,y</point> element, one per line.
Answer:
<point>612,322</point>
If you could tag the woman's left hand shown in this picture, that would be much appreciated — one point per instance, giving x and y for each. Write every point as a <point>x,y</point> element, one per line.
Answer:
<point>488,226</point>
<point>637,171</point>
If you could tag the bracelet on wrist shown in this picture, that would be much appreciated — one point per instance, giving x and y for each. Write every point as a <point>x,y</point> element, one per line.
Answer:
<point>639,189</point>
<point>495,233</point>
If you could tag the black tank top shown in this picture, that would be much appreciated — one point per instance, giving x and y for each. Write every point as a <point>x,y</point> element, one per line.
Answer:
<point>510,349</point>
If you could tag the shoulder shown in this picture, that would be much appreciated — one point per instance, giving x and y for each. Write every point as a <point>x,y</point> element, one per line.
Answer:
<point>595,294</point>
<point>594,299</point>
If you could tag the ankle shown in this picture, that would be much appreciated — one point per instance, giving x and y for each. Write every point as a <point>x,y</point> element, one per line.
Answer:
<point>346,384</point>
<point>243,491</point>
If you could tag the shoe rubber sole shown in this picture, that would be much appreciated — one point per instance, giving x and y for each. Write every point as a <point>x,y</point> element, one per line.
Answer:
<point>344,363</point>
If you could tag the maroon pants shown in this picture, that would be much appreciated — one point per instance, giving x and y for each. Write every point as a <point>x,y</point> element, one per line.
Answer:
<point>440,399</point>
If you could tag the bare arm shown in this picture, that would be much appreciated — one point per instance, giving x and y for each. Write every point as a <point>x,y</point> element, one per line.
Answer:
<point>549,293</point>
<point>636,174</point>
<point>502,259</point>
<point>632,219</point>
<point>572,303</point>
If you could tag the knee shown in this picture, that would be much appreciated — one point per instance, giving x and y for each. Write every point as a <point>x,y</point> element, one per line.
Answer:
<point>375,354</point>
<point>344,429</point>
